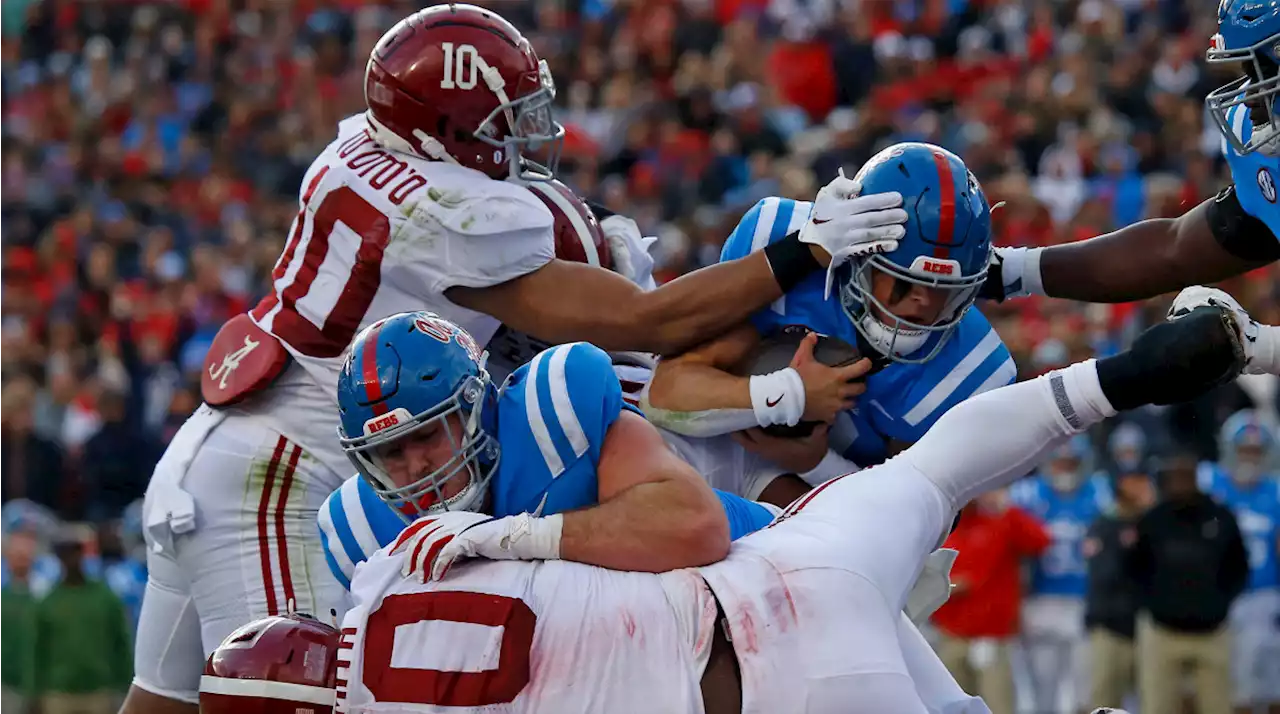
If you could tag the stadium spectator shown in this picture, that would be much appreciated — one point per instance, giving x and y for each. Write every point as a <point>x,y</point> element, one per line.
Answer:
<point>17,619</point>
<point>980,620</point>
<point>1111,605</point>
<point>1188,564</point>
<point>83,652</point>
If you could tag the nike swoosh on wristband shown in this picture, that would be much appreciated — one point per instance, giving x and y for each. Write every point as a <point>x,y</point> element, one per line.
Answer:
<point>820,221</point>
<point>770,403</point>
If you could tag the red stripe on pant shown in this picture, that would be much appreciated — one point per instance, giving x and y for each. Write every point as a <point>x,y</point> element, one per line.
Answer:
<point>264,547</point>
<point>282,545</point>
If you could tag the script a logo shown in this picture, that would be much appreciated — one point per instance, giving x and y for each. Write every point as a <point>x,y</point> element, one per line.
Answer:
<point>230,362</point>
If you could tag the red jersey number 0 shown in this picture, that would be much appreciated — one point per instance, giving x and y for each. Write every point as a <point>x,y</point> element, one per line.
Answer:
<point>406,685</point>
<point>341,205</point>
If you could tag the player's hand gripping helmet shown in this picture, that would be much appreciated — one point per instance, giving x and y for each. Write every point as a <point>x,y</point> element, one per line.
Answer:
<point>458,83</point>
<point>946,248</point>
<point>411,376</point>
<point>285,664</point>
<point>1246,447</point>
<point>1249,34</point>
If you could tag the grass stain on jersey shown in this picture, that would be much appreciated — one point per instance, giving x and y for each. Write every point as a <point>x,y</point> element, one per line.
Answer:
<point>446,199</point>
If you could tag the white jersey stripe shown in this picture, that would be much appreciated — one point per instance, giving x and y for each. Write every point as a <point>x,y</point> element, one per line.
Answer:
<point>764,224</point>
<point>950,383</point>
<point>537,425</point>
<point>357,521</point>
<point>570,212</point>
<point>799,215</point>
<point>563,404</point>
<point>999,378</point>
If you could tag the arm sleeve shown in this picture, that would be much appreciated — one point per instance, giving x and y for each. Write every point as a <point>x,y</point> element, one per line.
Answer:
<point>745,517</point>
<point>1239,233</point>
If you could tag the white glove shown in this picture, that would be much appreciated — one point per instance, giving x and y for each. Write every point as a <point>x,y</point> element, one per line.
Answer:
<point>933,587</point>
<point>847,225</point>
<point>1249,329</point>
<point>438,546</point>
<point>630,250</point>
<point>422,540</point>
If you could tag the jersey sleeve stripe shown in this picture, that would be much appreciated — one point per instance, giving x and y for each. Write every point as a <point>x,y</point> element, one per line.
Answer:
<point>1003,376</point>
<point>567,417</point>
<point>765,223</point>
<point>339,562</point>
<point>357,519</point>
<point>537,425</point>
<point>948,384</point>
<point>342,530</point>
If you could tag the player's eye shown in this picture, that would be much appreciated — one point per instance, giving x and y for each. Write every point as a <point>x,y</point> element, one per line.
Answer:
<point>901,288</point>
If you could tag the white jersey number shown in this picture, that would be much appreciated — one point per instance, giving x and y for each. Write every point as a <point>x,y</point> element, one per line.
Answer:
<point>331,335</point>
<point>461,63</point>
<point>478,682</point>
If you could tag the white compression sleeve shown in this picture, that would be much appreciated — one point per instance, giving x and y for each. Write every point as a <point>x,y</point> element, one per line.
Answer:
<point>997,437</point>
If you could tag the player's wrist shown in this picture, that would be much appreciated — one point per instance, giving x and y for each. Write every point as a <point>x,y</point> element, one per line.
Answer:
<point>791,260</point>
<point>532,538</point>
<point>778,397</point>
<point>1264,352</point>
<point>1020,271</point>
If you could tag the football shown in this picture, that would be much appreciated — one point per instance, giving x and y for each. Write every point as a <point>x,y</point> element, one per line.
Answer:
<point>775,352</point>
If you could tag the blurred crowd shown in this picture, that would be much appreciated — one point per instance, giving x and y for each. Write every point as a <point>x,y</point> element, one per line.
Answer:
<point>152,153</point>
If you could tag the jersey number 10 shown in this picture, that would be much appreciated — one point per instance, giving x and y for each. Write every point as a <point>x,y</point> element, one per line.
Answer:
<point>460,66</point>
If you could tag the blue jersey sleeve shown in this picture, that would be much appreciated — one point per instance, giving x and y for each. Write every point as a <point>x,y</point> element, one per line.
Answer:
<point>354,524</point>
<point>909,399</point>
<point>769,221</point>
<point>553,426</point>
<point>745,517</point>
<point>1255,175</point>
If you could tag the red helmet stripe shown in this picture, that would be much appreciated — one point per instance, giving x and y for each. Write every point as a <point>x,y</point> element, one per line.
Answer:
<point>947,217</point>
<point>369,372</point>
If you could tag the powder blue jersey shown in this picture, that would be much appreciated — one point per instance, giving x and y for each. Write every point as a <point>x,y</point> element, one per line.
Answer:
<point>902,400</point>
<point>1060,570</point>
<point>1255,174</point>
<point>1257,511</point>
<point>552,418</point>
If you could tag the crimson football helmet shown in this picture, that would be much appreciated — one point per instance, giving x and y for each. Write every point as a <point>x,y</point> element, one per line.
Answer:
<point>284,664</point>
<point>459,83</point>
<point>579,238</point>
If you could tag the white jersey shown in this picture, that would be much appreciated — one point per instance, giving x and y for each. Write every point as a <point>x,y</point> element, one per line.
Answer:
<point>524,637</point>
<point>378,233</point>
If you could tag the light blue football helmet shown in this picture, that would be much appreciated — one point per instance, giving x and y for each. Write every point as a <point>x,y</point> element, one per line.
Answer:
<point>1249,34</point>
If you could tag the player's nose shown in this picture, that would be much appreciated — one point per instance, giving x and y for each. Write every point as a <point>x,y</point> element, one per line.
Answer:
<point>920,305</point>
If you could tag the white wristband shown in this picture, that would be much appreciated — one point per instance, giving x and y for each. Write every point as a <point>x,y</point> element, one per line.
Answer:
<point>778,397</point>
<point>1264,352</point>
<point>532,538</point>
<point>1020,271</point>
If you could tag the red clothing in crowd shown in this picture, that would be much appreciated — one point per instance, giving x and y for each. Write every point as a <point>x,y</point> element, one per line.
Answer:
<point>987,573</point>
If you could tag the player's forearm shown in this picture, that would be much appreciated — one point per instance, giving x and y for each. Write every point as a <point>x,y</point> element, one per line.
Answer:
<point>695,386</point>
<point>1104,269</point>
<point>1139,261</point>
<point>702,304</point>
<point>651,527</point>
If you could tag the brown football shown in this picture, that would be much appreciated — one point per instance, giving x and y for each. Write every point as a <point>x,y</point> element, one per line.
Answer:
<point>775,352</point>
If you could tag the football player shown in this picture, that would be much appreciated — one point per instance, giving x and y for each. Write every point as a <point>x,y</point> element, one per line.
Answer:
<point>802,616</point>
<point>429,431</point>
<point>909,307</point>
<point>1229,234</point>
<point>410,207</point>
<point>1067,496</point>
<point>1245,481</point>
